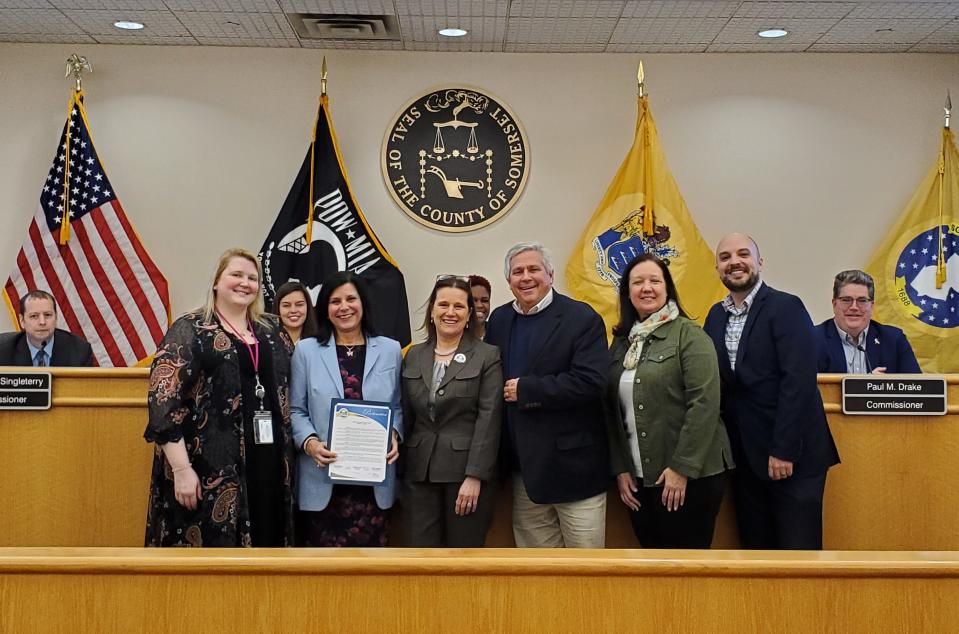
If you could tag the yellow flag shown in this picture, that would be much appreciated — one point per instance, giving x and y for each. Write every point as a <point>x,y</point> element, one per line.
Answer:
<point>622,227</point>
<point>916,268</point>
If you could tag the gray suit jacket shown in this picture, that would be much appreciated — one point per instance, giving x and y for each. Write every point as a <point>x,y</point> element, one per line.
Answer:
<point>461,438</point>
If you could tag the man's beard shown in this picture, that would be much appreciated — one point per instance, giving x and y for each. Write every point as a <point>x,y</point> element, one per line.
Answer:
<point>745,285</point>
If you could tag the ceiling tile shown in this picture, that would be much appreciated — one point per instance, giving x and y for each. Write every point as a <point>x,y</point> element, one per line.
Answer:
<point>644,47</point>
<point>567,8</point>
<point>424,28</point>
<point>594,32</point>
<point>554,48</point>
<point>680,9</point>
<point>667,30</point>
<point>109,5</point>
<point>455,46</point>
<point>361,45</point>
<point>25,4</point>
<point>453,8</point>
<point>348,7</point>
<point>48,21</point>
<point>46,38</point>
<point>238,25</point>
<point>805,10</point>
<point>860,47</point>
<point>947,34</point>
<point>744,31</point>
<point>157,23</point>
<point>914,10</point>
<point>935,47</point>
<point>259,42</point>
<point>246,6</point>
<point>777,46</point>
<point>854,30</point>
<point>149,40</point>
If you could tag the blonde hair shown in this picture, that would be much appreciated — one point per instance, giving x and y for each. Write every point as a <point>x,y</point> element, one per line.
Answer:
<point>255,311</point>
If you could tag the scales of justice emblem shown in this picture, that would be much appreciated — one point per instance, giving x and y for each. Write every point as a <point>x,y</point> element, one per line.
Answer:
<point>455,160</point>
<point>624,241</point>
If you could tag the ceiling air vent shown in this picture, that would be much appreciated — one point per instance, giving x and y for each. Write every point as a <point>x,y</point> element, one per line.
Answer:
<point>338,26</point>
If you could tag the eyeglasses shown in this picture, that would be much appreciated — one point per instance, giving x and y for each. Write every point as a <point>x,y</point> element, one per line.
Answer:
<point>846,302</point>
<point>450,276</point>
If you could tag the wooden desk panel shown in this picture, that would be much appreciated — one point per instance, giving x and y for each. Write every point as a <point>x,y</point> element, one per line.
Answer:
<point>78,474</point>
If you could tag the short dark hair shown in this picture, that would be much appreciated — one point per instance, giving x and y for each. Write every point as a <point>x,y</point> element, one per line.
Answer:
<point>449,282</point>
<point>627,312</point>
<point>479,280</point>
<point>36,295</point>
<point>853,276</point>
<point>309,324</point>
<point>324,327</point>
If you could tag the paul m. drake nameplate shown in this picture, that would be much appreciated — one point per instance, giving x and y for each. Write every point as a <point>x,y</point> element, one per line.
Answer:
<point>455,159</point>
<point>25,390</point>
<point>905,395</point>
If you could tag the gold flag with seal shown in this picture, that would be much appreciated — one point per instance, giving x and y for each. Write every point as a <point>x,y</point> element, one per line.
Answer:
<point>916,268</point>
<point>643,211</point>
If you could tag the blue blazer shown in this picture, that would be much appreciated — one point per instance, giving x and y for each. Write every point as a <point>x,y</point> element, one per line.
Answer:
<point>886,346</point>
<point>771,402</point>
<point>315,381</point>
<point>556,428</point>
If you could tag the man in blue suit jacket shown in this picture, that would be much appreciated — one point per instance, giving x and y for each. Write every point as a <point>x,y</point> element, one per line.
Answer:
<point>554,357</point>
<point>771,404</point>
<point>851,342</point>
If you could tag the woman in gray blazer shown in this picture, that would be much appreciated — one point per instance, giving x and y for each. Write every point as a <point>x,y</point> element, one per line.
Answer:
<point>344,360</point>
<point>452,404</point>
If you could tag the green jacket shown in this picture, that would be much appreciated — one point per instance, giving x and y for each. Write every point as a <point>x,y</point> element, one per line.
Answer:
<point>676,402</point>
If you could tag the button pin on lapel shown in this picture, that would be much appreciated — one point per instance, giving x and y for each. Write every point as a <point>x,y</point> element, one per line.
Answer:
<point>460,358</point>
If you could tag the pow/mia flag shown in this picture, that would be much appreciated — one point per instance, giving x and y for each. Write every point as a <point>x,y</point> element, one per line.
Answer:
<point>340,239</point>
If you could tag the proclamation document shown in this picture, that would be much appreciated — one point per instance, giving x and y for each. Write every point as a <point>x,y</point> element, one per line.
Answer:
<point>359,436</point>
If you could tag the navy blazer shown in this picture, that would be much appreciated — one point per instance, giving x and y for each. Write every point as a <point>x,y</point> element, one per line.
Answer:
<point>886,347</point>
<point>69,350</point>
<point>556,427</point>
<point>771,403</point>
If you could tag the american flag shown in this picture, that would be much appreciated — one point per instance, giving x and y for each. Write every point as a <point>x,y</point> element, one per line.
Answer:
<point>81,248</point>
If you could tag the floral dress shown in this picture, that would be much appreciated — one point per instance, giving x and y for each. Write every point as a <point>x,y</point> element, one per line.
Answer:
<point>197,395</point>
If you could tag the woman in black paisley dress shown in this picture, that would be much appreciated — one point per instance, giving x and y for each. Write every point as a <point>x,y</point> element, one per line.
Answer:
<point>217,479</point>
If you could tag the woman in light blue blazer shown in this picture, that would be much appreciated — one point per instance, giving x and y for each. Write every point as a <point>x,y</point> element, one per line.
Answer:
<point>344,360</point>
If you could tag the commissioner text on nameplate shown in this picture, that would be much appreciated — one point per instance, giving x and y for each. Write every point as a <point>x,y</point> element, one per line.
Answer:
<point>894,395</point>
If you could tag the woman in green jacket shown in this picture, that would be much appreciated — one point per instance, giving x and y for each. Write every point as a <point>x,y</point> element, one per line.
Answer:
<point>668,446</point>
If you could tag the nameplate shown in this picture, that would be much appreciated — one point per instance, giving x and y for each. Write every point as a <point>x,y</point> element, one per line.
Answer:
<point>894,396</point>
<point>25,390</point>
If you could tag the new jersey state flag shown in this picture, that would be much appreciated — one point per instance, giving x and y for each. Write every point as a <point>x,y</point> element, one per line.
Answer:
<point>642,212</point>
<point>916,268</point>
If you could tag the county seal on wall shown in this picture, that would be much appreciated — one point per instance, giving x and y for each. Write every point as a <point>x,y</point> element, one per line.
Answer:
<point>455,159</point>
<point>917,292</point>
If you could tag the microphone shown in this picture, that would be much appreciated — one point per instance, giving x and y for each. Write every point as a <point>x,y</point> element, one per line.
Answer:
<point>865,356</point>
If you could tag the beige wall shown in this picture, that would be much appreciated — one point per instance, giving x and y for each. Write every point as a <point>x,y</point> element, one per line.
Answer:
<point>815,155</point>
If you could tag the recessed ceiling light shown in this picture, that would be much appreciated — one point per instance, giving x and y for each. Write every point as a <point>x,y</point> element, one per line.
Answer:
<point>773,33</point>
<point>453,32</point>
<point>127,25</point>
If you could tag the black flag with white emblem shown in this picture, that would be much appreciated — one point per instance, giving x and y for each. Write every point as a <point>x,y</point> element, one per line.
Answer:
<point>320,230</point>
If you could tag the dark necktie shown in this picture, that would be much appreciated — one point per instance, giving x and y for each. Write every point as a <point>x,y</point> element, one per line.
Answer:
<point>41,358</point>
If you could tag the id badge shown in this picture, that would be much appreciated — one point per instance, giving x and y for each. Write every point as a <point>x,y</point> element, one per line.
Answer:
<point>263,427</point>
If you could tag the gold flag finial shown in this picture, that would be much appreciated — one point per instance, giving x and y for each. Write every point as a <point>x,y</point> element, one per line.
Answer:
<point>323,77</point>
<point>948,107</point>
<point>641,79</point>
<point>76,64</point>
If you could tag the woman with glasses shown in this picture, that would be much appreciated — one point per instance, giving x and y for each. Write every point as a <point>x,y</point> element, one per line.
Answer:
<point>345,359</point>
<point>452,403</point>
<point>668,446</point>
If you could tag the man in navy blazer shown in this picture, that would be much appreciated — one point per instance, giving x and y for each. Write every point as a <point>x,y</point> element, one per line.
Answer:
<point>41,343</point>
<point>851,342</point>
<point>554,356</point>
<point>771,404</point>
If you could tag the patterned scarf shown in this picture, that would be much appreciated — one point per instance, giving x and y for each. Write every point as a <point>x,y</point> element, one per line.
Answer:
<point>642,329</point>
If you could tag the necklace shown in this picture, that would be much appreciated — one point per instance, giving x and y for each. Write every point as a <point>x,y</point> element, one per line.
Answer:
<point>443,354</point>
<point>350,349</point>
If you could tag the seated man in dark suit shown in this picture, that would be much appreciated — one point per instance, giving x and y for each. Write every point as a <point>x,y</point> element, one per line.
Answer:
<point>851,342</point>
<point>41,343</point>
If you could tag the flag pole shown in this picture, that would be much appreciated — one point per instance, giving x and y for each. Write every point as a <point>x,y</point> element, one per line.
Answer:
<point>324,101</point>
<point>946,133</point>
<point>649,223</point>
<point>76,65</point>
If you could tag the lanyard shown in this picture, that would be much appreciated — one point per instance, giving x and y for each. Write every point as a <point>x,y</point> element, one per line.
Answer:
<point>254,351</point>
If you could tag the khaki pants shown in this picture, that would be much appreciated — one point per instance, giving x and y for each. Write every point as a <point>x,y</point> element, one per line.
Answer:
<point>580,524</point>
